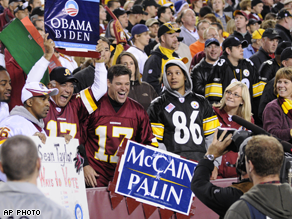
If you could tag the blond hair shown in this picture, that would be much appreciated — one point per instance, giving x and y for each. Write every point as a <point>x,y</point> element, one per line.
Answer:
<point>244,4</point>
<point>207,30</point>
<point>244,110</point>
<point>230,26</point>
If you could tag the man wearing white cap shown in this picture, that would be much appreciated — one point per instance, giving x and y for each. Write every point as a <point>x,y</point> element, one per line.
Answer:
<point>28,119</point>
<point>140,37</point>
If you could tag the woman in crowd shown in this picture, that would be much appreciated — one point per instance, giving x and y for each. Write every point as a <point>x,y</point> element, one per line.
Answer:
<point>102,20</point>
<point>197,5</point>
<point>230,26</point>
<point>128,5</point>
<point>140,91</point>
<point>277,116</point>
<point>235,101</point>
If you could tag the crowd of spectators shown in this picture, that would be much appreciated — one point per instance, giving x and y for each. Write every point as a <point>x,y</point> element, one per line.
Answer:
<point>186,69</point>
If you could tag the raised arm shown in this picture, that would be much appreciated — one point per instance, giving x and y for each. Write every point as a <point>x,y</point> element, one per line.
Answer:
<point>38,70</point>
<point>99,87</point>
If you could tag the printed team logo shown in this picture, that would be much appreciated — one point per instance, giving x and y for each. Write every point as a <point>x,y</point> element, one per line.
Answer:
<point>67,72</point>
<point>195,105</point>
<point>123,37</point>
<point>42,86</point>
<point>78,212</point>
<point>71,8</point>
<point>237,70</point>
<point>169,107</point>
<point>150,71</point>
<point>246,72</point>
<point>181,99</point>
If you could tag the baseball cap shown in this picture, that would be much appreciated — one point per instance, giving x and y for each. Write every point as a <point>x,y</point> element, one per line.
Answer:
<point>165,3</point>
<point>22,7</point>
<point>287,2</point>
<point>151,21</point>
<point>283,13</point>
<point>38,11</point>
<point>147,3</point>
<point>281,46</point>
<point>36,89</point>
<point>271,33</point>
<point>119,12</point>
<point>137,9</point>
<point>210,41</point>
<point>10,1</point>
<point>138,29</point>
<point>253,21</point>
<point>240,12</point>
<point>233,41</point>
<point>286,54</point>
<point>257,34</point>
<point>167,28</point>
<point>62,75</point>
<point>255,2</point>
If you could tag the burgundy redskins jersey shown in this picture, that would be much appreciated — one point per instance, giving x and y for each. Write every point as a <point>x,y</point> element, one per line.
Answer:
<point>65,120</point>
<point>106,130</point>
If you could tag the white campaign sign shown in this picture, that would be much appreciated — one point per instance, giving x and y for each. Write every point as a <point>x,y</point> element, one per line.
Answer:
<point>58,179</point>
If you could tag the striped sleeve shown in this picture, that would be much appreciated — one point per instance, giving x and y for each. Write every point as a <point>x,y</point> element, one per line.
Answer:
<point>210,124</point>
<point>154,142</point>
<point>258,88</point>
<point>158,130</point>
<point>213,90</point>
<point>88,100</point>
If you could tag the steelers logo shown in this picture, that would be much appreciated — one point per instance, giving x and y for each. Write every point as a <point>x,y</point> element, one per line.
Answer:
<point>246,72</point>
<point>195,105</point>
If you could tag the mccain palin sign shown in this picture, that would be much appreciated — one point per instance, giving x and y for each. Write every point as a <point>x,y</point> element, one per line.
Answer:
<point>156,177</point>
<point>73,24</point>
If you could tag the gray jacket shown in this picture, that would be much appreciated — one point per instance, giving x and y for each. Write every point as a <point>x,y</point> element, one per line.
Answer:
<point>188,37</point>
<point>24,195</point>
<point>273,201</point>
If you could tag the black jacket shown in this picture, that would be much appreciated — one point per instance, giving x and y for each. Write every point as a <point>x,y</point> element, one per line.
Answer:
<point>259,57</point>
<point>247,36</point>
<point>284,33</point>
<point>223,73</point>
<point>268,70</point>
<point>216,198</point>
<point>153,69</point>
<point>267,96</point>
<point>148,48</point>
<point>199,75</point>
<point>265,11</point>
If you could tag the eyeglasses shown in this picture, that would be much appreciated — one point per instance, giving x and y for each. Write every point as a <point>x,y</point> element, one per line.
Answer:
<point>230,93</point>
<point>212,36</point>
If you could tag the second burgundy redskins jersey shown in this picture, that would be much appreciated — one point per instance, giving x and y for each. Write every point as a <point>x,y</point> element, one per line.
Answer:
<point>65,120</point>
<point>106,130</point>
